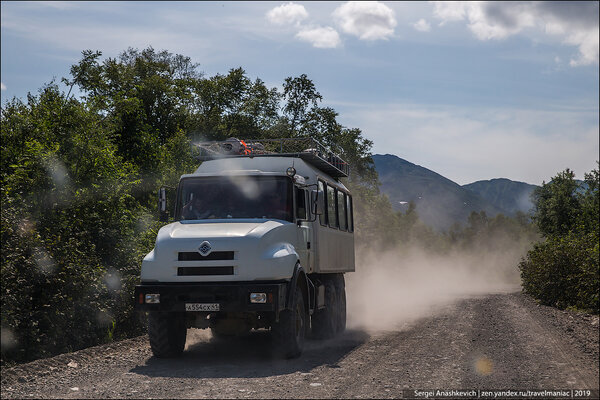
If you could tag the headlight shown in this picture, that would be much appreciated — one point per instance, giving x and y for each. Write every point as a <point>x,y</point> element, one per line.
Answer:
<point>258,297</point>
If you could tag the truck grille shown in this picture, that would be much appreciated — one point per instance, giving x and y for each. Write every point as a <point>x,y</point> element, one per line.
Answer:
<point>199,271</point>
<point>214,256</point>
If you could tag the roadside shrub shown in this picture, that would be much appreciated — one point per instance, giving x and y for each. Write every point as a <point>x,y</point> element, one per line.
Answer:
<point>564,272</point>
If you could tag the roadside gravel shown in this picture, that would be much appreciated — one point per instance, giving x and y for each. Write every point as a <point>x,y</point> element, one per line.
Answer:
<point>486,342</point>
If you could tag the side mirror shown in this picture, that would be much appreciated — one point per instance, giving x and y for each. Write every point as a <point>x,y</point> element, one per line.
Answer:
<point>163,214</point>
<point>317,200</point>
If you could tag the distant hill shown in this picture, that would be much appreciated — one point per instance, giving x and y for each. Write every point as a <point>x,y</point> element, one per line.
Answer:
<point>505,194</point>
<point>439,201</point>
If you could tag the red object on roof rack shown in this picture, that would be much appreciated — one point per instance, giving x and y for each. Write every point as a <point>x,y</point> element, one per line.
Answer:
<point>306,148</point>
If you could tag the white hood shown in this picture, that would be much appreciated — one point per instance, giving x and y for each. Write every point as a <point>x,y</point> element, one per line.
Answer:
<point>218,229</point>
<point>264,249</point>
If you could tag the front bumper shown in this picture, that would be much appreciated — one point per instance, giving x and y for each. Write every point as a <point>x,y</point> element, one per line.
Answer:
<point>231,296</point>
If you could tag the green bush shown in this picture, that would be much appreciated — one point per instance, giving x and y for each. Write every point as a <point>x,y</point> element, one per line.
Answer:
<point>71,238</point>
<point>563,272</point>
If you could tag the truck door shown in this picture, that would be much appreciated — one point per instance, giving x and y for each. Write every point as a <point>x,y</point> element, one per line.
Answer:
<point>305,231</point>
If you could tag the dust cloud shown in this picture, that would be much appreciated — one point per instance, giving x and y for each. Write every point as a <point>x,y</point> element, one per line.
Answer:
<point>393,288</point>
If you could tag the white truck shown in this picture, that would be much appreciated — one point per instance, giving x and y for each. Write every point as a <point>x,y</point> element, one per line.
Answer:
<point>261,238</point>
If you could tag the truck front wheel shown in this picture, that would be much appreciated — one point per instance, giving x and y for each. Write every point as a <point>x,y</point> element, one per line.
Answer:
<point>289,331</point>
<point>167,333</point>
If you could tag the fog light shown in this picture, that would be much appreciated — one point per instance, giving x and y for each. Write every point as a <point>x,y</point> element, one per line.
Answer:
<point>153,298</point>
<point>258,297</point>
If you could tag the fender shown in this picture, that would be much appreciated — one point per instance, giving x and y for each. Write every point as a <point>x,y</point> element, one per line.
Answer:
<point>299,277</point>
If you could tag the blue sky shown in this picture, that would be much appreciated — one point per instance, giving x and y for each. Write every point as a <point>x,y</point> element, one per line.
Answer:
<point>470,90</point>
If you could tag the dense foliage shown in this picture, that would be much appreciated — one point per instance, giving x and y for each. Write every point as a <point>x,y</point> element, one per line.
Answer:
<point>563,270</point>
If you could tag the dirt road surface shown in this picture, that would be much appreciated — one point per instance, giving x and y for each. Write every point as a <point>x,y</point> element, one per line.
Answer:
<point>501,341</point>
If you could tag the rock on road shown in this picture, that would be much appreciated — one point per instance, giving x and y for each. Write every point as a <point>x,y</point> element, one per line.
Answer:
<point>500,341</point>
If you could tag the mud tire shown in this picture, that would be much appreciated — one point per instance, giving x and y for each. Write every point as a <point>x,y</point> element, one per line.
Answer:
<point>167,333</point>
<point>324,321</point>
<point>289,333</point>
<point>340,291</point>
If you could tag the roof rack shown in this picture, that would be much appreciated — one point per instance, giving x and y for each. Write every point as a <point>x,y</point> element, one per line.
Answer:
<point>306,148</point>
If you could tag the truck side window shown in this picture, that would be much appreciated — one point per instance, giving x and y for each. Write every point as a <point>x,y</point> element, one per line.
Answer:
<point>300,203</point>
<point>341,208</point>
<point>350,216</point>
<point>331,207</point>
<point>323,216</point>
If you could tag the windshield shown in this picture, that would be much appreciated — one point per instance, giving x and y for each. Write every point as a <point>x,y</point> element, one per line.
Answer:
<point>235,197</point>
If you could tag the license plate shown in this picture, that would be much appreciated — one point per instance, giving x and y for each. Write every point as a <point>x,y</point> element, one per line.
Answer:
<point>201,306</point>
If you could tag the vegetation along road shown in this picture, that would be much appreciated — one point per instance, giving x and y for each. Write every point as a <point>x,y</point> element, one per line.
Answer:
<point>486,342</point>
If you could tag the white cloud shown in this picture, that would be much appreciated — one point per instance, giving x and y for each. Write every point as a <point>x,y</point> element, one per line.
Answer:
<point>292,14</point>
<point>322,38</point>
<point>366,20</point>
<point>422,25</point>
<point>575,23</point>
<point>486,21</point>
<point>2,86</point>
<point>450,11</point>
<point>289,13</point>
<point>588,44</point>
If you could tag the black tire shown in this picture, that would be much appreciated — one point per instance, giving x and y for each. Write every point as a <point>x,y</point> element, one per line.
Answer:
<point>340,290</point>
<point>289,332</point>
<point>324,320</point>
<point>167,333</point>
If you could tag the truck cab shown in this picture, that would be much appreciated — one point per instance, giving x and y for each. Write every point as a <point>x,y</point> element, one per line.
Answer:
<point>260,239</point>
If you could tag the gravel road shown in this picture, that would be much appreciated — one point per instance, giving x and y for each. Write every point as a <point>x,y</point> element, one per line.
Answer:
<point>501,341</point>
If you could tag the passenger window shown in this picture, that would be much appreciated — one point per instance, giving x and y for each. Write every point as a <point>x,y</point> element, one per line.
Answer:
<point>300,203</point>
<point>341,208</point>
<point>350,216</point>
<point>323,216</point>
<point>331,207</point>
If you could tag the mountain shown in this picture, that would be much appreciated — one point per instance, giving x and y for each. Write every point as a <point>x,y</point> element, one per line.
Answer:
<point>508,195</point>
<point>439,201</point>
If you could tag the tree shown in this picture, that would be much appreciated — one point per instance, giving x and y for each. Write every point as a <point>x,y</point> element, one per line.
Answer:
<point>300,93</point>
<point>144,97</point>
<point>589,201</point>
<point>233,106</point>
<point>321,123</point>
<point>556,204</point>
